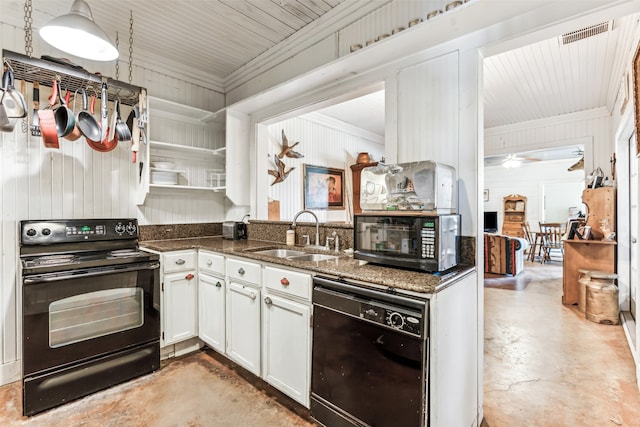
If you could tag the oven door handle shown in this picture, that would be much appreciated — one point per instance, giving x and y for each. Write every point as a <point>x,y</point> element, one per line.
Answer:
<point>90,273</point>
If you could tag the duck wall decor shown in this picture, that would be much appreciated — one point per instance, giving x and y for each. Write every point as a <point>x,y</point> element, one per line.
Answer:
<point>287,150</point>
<point>279,173</point>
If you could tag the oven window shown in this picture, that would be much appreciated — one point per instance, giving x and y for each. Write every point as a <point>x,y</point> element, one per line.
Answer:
<point>95,314</point>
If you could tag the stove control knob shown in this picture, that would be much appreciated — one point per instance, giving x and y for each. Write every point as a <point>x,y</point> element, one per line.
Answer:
<point>31,232</point>
<point>46,231</point>
<point>395,319</point>
<point>131,228</point>
<point>119,228</point>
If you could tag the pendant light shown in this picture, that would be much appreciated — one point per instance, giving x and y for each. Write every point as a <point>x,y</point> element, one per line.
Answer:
<point>77,33</point>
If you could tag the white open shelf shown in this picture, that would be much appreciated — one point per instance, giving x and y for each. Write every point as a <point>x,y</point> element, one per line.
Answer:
<point>184,113</point>
<point>188,150</point>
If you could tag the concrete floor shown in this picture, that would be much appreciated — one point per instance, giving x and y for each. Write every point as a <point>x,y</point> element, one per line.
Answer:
<point>193,391</point>
<point>545,365</point>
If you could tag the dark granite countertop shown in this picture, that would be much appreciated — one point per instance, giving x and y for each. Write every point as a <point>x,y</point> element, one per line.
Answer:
<point>344,266</point>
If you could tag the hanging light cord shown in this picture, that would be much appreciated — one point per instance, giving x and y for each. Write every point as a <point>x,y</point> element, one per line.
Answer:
<point>130,46</point>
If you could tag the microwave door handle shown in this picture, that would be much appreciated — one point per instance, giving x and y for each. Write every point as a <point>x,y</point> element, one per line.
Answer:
<point>91,273</point>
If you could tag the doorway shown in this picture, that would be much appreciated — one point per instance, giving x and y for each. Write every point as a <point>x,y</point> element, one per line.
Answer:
<point>633,226</point>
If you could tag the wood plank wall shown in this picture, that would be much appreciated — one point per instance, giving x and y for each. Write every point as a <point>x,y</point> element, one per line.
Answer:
<point>78,182</point>
<point>321,145</point>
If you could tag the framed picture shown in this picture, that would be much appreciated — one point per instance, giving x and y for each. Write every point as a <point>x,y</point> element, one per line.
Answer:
<point>323,187</point>
<point>485,195</point>
<point>636,96</point>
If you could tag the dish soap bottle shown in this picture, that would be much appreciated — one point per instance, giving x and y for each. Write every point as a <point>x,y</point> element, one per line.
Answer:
<point>291,237</point>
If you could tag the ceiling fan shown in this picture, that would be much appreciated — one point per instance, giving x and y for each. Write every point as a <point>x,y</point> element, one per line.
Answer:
<point>579,164</point>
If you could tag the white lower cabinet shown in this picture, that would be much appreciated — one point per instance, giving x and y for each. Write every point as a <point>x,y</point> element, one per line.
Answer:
<point>258,316</point>
<point>180,303</point>
<point>243,313</point>
<point>286,337</point>
<point>243,325</point>
<point>286,332</point>
<point>211,310</point>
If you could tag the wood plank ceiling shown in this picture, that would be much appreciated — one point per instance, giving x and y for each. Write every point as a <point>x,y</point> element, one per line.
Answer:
<point>213,36</point>
<point>551,78</point>
<point>544,79</point>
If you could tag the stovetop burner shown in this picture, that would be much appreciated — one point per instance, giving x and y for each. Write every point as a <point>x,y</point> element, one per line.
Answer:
<point>62,245</point>
<point>46,263</point>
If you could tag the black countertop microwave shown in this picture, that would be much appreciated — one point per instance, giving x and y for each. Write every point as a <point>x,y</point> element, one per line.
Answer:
<point>416,241</point>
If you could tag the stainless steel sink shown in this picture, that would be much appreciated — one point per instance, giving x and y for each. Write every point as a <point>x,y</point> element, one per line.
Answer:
<point>312,257</point>
<point>279,253</point>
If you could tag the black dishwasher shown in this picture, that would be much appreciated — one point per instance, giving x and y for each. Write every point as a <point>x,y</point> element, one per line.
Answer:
<point>369,357</point>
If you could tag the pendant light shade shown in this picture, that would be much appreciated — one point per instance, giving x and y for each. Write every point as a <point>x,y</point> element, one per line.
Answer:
<point>77,33</point>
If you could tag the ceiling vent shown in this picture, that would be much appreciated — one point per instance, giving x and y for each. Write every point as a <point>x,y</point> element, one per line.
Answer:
<point>587,32</point>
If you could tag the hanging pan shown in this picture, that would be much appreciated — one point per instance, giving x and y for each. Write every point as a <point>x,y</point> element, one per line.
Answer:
<point>106,145</point>
<point>87,123</point>
<point>123,132</point>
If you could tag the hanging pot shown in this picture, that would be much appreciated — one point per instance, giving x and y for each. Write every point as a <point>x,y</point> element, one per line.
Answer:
<point>12,100</point>
<point>75,132</point>
<point>65,119</point>
<point>47,121</point>
<point>5,124</point>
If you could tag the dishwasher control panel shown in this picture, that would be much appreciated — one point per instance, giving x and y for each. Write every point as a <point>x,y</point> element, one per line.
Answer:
<point>396,317</point>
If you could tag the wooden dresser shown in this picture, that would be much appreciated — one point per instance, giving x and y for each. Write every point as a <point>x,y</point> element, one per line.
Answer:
<point>515,213</point>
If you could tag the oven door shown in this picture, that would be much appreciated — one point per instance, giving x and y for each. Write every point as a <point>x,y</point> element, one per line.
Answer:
<point>73,316</point>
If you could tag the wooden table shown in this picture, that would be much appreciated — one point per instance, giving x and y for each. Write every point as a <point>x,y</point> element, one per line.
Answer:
<point>588,254</point>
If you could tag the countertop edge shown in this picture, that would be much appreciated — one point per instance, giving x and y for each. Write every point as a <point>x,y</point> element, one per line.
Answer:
<point>420,283</point>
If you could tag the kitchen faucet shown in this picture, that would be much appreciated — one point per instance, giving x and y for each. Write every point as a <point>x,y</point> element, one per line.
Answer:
<point>295,217</point>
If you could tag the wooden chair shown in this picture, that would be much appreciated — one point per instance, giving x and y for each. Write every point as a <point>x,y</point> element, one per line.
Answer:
<point>551,240</point>
<point>532,238</point>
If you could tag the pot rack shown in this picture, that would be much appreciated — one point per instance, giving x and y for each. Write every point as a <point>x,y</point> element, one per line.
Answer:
<point>71,78</point>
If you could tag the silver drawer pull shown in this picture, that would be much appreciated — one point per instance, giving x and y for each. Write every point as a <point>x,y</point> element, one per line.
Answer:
<point>180,261</point>
<point>241,270</point>
<point>268,301</point>
<point>218,285</point>
<point>209,262</point>
<point>252,295</point>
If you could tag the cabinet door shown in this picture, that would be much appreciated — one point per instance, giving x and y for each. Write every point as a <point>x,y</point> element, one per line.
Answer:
<point>287,346</point>
<point>211,317</point>
<point>243,325</point>
<point>180,314</point>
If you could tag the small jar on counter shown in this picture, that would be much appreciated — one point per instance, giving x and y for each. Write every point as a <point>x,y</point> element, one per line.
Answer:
<point>291,237</point>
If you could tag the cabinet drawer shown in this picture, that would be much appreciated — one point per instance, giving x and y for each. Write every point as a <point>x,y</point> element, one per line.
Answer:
<point>243,270</point>
<point>210,262</point>
<point>178,261</point>
<point>287,281</point>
